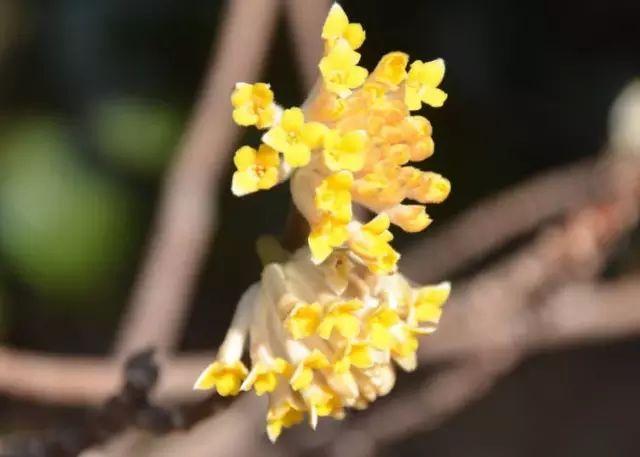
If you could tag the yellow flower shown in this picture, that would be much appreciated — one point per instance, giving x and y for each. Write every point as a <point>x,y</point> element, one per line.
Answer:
<point>340,71</point>
<point>322,402</point>
<point>378,327</point>
<point>325,236</point>
<point>426,187</point>
<point>379,189</point>
<point>422,84</point>
<point>337,26</point>
<point>341,317</point>
<point>295,138</point>
<point>226,378</point>
<point>333,196</point>
<point>263,377</point>
<point>303,319</point>
<point>356,354</point>
<point>283,415</point>
<point>371,244</point>
<point>405,344</point>
<point>253,105</point>
<point>429,300</point>
<point>257,170</point>
<point>344,151</point>
<point>410,218</point>
<point>303,374</point>
<point>391,69</point>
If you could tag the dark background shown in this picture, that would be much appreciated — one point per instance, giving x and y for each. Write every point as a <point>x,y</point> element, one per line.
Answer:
<point>95,94</point>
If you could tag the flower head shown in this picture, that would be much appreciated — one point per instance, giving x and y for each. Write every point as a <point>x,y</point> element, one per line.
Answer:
<point>317,351</point>
<point>329,323</point>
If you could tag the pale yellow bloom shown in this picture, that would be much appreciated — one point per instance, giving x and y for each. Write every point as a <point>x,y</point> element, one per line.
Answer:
<point>337,26</point>
<point>371,244</point>
<point>345,151</point>
<point>257,170</point>
<point>294,137</point>
<point>341,317</point>
<point>263,376</point>
<point>355,354</point>
<point>340,70</point>
<point>302,377</point>
<point>253,105</point>
<point>423,80</point>
<point>285,414</point>
<point>226,378</point>
<point>428,302</point>
<point>391,69</point>
<point>303,320</point>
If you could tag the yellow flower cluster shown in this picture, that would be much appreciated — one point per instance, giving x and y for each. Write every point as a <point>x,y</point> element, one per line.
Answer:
<point>323,337</point>
<point>352,139</point>
<point>328,323</point>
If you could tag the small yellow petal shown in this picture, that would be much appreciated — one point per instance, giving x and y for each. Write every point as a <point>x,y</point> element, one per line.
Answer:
<point>244,182</point>
<point>292,119</point>
<point>297,155</point>
<point>244,116</point>
<point>277,138</point>
<point>244,158</point>
<point>392,68</point>
<point>335,24</point>
<point>355,35</point>
<point>313,133</point>
<point>434,97</point>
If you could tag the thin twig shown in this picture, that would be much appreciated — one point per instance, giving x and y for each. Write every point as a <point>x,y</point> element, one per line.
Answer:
<point>187,216</point>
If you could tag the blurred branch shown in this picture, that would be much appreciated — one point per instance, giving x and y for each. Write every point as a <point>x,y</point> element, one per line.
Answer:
<point>131,407</point>
<point>494,222</point>
<point>306,18</point>
<point>187,215</point>
<point>86,381</point>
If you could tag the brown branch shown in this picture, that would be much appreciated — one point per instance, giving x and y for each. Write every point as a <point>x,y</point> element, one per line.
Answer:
<point>306,18</point>
<point>130,407</point>
<point>187,216</point>
<point>73,380</point>
<point>493,222</point>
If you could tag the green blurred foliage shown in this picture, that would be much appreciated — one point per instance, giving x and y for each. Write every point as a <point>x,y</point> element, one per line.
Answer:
<point>64,229</point>
<point>137,135</point>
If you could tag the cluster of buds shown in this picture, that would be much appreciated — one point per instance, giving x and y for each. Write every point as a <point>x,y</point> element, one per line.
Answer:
<point>327,324</point>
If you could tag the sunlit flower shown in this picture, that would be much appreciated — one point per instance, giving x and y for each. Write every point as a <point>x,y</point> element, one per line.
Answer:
<point>337,26</point>
<point>253,105</point>
<point>423,80</point>
<point>340,69</point>
<point>257,170</point>
<point>294,137</point>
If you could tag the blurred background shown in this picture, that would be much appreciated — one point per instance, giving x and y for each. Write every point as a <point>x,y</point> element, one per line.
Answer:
<point>94,99</point>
